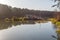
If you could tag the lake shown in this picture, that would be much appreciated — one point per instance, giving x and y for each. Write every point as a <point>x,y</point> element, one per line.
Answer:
<point>37,31</point>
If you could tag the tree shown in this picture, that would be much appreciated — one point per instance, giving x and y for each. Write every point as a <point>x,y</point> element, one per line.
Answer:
<point>58,4</point>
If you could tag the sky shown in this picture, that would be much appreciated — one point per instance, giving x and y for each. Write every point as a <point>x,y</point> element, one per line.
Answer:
<point>30,4</point>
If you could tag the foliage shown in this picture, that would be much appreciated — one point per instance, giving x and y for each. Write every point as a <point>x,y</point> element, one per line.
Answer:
<point>58,24</point>
<point>58,4</point>
<point>9,12</point>
<point>53,20</point>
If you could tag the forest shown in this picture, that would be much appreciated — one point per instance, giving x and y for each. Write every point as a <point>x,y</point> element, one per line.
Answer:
<point>8,12</point>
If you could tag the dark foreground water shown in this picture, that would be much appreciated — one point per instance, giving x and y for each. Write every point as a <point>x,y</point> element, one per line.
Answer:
<point>38,31</point>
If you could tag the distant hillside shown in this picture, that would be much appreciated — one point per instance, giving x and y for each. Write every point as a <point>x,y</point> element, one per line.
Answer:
<point>8,12</point>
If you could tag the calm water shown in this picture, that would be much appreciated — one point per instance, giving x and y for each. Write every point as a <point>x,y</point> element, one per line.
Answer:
<point>38,31</point>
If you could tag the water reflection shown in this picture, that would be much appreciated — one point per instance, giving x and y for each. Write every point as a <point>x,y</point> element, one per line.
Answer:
<point>57,31</point>
<point>31,31</point>
<point>5,25</point>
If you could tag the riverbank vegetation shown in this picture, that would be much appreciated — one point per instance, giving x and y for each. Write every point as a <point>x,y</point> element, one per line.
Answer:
<point>8,12</point>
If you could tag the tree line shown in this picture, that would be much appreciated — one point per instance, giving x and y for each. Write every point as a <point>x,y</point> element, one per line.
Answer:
<point>8,12</point>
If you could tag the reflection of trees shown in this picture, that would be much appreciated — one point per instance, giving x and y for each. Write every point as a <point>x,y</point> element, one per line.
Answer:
<point>58,36</point>
<point>57,29</point>
<point>58,33</point>
<point>5,25</point>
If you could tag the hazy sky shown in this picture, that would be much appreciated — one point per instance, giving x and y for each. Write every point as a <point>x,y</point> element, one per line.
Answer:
<point>30,4</point>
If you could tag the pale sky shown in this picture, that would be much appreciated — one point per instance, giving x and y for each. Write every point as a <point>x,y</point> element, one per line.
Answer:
<point>30,4</point>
